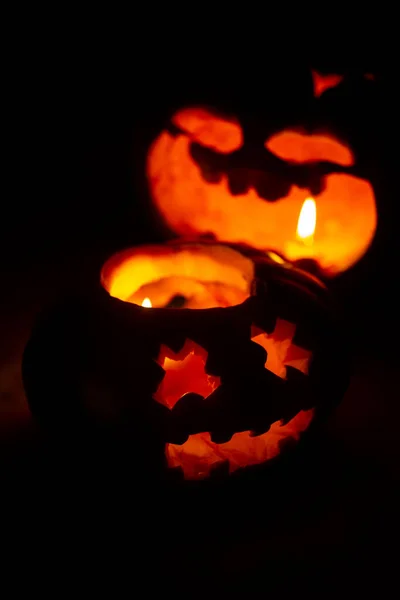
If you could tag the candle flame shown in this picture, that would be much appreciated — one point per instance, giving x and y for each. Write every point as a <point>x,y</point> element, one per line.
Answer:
<point>147,303</point>
<point>307,221</point>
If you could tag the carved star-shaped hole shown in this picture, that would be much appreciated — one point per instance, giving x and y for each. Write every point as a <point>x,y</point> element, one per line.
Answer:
<point>280,349</point>
<point>184,372</point>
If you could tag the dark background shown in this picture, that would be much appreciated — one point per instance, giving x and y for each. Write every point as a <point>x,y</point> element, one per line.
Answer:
<point>327,523</point>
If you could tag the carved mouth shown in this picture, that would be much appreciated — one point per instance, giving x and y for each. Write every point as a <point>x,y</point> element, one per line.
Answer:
<point>228,411</point>
<point>200,454</point>
<point>269,176</point>
<point>276,388</point>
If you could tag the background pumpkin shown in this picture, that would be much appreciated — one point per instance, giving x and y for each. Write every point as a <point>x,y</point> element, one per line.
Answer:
<point>212,175</point>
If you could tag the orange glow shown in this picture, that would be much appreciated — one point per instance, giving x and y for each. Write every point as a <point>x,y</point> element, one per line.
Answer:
<point>211,130</point>
<point>307,222</point>
<point>347,216</point>
<point>199,455</point>
<point>280,350</point>
<point>297,147</point>
<point>147,303</point>
<point>324,82</point>
<point>184,372</point>
<point>207,276</point>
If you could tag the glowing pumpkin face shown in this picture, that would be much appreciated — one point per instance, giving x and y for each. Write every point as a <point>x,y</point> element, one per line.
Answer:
<point>187,385</point>
<point>212,176</point>
<point>226,382</point>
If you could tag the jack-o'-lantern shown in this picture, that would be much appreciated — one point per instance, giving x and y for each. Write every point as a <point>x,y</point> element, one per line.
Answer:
<point>224,383</point>
<point>215,357</point>
<point>213,175</point>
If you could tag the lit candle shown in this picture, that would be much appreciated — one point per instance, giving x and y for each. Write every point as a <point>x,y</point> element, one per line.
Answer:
<point>304,246</point>
<point>307,222</point>
<point>147,303</point>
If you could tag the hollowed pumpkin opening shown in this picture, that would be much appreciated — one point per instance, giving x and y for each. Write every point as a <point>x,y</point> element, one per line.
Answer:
<point>201,276</point>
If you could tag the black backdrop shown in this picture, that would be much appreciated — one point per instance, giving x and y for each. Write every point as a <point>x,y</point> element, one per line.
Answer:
<point>82,117</point>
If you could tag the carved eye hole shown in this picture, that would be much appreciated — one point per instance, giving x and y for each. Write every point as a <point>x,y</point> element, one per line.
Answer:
<point>323,82</point>
<point>296,147</point>
<point>210,130</point>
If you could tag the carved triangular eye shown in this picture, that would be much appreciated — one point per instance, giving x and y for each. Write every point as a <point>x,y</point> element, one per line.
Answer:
<point>213,131</point>
<point>184,372</point>
<point>300,148</point>
<point>323,82</point>
<point>280,349</point>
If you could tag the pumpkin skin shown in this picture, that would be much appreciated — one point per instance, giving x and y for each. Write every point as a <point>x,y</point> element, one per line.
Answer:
<point>102,356</point>
<point>213,175</point>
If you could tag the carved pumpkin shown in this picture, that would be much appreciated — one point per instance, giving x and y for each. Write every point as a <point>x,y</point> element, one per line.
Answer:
<point>222,387</point>
<point>213,175</point>
<point>236,355</point>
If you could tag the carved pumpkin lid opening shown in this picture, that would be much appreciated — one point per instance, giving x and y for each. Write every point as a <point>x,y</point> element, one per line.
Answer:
<point>205,275</point>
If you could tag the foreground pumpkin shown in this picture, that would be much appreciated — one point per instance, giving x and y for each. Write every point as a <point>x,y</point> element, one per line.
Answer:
<point>199,389</point>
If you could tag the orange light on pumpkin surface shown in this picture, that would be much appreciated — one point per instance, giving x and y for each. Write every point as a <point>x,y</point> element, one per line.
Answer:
<point>193,204</point>
<point>307,222</point>
<point>147,303</point>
